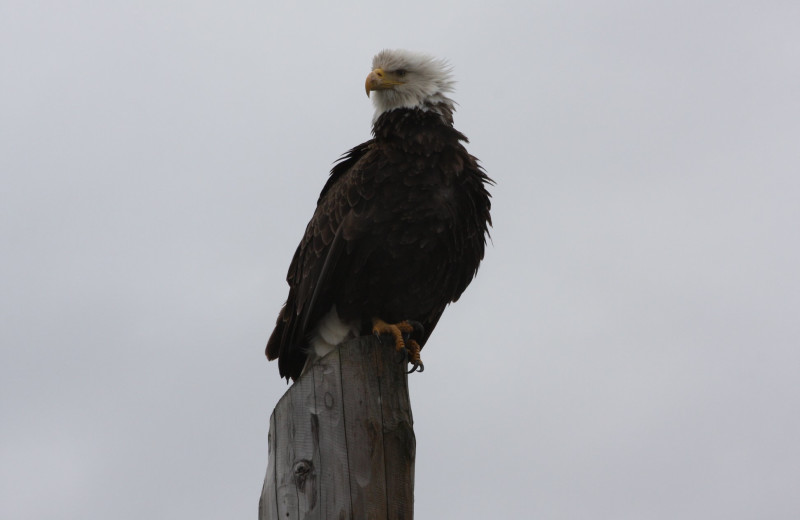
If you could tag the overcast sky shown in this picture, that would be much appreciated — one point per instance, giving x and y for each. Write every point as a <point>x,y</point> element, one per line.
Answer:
<point>629,349</point>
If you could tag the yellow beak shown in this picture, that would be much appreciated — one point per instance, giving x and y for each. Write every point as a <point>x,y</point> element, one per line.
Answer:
<point>380,80</point>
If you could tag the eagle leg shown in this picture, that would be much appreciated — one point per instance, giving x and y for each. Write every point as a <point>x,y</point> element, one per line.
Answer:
<point>401,333</point>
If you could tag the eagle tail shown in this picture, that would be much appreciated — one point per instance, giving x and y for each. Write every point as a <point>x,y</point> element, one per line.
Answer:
<point>276,339</point>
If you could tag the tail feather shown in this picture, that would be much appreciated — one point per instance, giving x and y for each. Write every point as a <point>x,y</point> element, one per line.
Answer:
<point>273,349</point>
<point>282,346</point>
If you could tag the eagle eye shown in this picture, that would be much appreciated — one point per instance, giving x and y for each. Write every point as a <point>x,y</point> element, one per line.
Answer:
<point>400,72</point>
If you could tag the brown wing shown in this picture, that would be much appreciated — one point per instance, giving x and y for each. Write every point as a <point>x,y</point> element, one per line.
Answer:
<point>311,273</point>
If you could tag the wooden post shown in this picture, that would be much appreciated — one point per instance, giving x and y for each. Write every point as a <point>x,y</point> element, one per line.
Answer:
<point>341,440</point>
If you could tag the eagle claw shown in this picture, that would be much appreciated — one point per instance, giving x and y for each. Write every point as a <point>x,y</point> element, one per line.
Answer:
<point>413,349</point>
<point>403,334</point>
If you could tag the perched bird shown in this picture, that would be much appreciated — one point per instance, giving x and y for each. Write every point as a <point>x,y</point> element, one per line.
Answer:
<point>399,229</point>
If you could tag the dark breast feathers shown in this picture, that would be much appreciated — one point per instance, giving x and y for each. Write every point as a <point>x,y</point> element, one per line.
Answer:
<point>399,231</point>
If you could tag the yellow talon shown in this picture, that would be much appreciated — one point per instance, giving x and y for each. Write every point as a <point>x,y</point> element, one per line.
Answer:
<point>413,355</point>
<point>395,329</point>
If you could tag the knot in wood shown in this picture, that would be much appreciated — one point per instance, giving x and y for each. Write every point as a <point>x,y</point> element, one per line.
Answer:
<point>302,469</point>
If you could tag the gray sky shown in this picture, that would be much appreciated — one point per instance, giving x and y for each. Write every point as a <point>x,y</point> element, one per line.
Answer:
<point>629,349</point>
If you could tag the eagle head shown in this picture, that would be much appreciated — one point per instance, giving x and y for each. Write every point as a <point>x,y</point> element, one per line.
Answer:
<point>404,79</point>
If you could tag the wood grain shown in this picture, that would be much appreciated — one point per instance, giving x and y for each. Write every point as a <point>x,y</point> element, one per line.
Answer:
<point>341,440</point>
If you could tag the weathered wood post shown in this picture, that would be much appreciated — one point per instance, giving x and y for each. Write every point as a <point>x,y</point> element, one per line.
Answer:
<point>341,440</point>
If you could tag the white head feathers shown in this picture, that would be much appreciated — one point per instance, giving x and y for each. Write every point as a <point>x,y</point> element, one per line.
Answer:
<point>404,79</point>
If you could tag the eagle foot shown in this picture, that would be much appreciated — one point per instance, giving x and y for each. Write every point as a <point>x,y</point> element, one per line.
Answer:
<point>403,342</point>
<point>413,357</point>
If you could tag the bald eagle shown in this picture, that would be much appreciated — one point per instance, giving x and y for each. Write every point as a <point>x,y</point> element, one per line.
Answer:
<point>399,229</point>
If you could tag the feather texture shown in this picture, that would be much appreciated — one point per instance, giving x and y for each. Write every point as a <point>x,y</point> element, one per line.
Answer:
<point>398,233</point>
